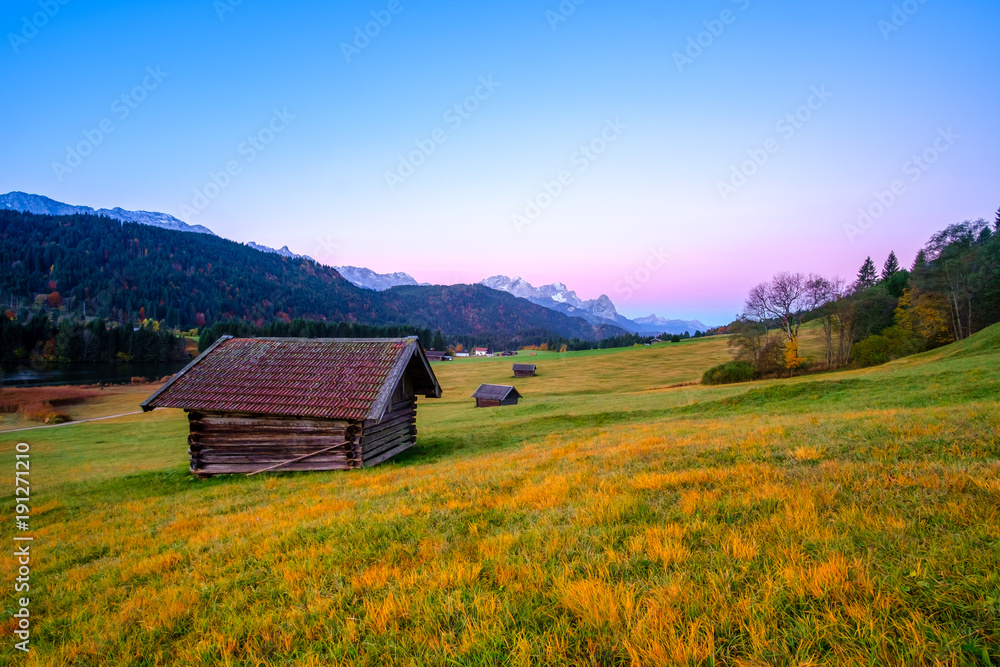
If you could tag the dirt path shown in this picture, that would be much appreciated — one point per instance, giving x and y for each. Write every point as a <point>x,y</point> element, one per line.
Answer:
<point>79,421</point>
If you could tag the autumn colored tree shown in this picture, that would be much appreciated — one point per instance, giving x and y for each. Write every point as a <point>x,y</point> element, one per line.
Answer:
<point>924,317</point>
<point>792,358</point>
<point>785,299</point>
<point>961,263</point>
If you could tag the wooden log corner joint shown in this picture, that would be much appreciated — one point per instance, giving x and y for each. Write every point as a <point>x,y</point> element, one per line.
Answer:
<point>292,404</point>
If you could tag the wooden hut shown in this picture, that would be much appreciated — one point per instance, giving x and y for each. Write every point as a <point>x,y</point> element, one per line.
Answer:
<point>285,404</point>
<point>495,395</point>
<point>524,370</point>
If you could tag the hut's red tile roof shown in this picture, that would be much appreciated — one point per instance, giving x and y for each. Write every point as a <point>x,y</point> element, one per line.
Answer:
<point>326,379</point>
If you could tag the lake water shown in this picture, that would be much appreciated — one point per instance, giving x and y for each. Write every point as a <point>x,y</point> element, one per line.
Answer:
<point>86,374</point>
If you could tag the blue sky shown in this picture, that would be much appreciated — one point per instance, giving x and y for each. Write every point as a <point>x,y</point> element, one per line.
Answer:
<point>652,213</point>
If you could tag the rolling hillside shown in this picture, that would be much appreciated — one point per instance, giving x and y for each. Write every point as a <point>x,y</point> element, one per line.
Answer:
<point>617,516</point>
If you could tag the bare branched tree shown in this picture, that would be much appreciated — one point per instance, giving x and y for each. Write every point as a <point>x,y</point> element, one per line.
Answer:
<point>825,296</point>
<point>784,298</point>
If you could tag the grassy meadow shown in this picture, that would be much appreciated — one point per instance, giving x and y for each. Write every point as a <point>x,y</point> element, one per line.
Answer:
<point>620,515</point>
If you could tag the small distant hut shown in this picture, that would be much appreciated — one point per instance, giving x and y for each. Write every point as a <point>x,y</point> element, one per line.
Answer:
<point>286,404</point>
<point>495,395</point>
<point>524,370</point>
<point>437,355</point>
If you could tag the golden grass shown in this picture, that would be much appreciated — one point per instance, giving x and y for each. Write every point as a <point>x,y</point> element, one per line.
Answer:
<point>807,453</point>
<point>629,528</point>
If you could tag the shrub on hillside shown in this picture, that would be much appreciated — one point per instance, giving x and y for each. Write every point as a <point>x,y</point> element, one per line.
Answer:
<point>44,413</point>
<point>893,343</point>
<point>729,373</point>
<point>872,351</point>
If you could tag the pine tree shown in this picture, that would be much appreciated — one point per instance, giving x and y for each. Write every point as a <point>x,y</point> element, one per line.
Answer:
<point>890,268</point>
<point>996,224</point>
<point>867,275</point>
<point>438,342</point>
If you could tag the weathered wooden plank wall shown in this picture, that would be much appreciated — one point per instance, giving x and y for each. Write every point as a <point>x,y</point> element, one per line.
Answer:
<point>228,444</point>
<point>221,444</point>
<point>396,433</point>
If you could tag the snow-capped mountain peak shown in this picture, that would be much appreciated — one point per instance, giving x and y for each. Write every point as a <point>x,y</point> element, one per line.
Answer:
<point>379,282</point>
<point>671,326</point>
<point>39,205</point>
<point>603,307</point>
<point>284,251</point>
<point>558,296</point>
<point>601,310</point>
<point>544,295</point>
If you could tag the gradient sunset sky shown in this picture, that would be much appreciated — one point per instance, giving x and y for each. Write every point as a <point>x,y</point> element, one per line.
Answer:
<point>669,98</point>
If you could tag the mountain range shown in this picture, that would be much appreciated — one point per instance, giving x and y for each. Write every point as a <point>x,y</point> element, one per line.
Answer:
<point>125,271</point>
<point>559,297</point>
<point>654,323</point>
<point>379,282</point>
<point>39,205</point>
<point>283,251</point>
<point>599,312</point>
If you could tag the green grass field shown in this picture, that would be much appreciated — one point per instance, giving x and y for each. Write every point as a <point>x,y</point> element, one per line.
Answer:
<point>617,516</point>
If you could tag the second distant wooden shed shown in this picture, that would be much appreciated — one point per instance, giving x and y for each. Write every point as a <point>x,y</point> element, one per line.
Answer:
<point>524,370</point>
<point>495,395</point>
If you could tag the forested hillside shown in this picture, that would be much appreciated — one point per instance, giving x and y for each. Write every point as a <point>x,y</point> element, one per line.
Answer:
<point>478,310</point>
<point>91,266</point>
<point>951,292</point>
